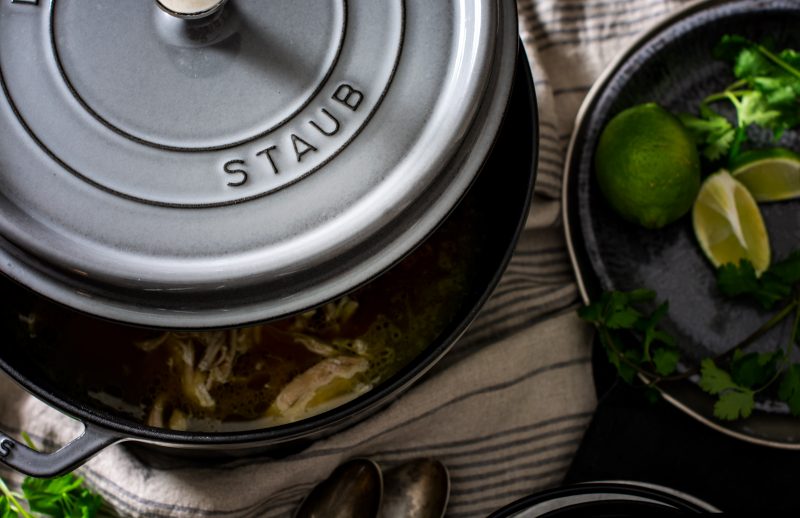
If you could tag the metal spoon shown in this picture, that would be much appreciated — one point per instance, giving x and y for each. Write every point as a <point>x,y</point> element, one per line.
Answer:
<point>353,490</point>
<point>416,489</point>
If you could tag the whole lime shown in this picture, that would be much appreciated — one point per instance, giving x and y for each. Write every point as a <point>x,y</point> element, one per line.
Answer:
<point>647,166</point>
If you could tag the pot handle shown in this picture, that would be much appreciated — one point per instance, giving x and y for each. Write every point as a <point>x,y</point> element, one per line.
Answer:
<point>36,464</point>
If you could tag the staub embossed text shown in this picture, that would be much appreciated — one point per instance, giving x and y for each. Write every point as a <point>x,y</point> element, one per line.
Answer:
<point>293,146</point>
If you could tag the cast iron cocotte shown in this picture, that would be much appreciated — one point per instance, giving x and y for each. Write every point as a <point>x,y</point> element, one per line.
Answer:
<point>394,120</point>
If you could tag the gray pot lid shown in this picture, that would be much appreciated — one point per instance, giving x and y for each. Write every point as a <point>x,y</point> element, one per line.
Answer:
<point>184,163</point>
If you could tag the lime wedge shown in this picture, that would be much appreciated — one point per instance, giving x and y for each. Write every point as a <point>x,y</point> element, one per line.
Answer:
<point>769,174</point>
<point>728,223</point>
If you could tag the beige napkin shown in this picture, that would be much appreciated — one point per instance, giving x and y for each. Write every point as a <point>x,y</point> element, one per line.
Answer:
<point>505,410</point>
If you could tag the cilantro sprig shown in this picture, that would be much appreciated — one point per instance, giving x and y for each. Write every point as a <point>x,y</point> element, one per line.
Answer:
<point>752,373</point>
<point>60,497</point>
<point>773,286</point>
<point>631,336</point>
<point>635,344</point>
<point>766,94</point>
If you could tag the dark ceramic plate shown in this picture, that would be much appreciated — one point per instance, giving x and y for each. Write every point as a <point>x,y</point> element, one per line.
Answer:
<point>673,65</point>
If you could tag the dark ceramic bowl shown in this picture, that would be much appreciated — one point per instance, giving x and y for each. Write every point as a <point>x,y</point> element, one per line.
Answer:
<point>672,64</point>
<point>617,498</point>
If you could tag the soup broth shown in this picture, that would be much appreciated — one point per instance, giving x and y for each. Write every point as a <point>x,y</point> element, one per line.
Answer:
<point>267,374</point>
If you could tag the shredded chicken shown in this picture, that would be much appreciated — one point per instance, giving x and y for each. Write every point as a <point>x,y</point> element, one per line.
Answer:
<point>339,312</point>
<point>315,345</point>
<point>293,401</point>
<point>152,344</point>
<point>156,416</point>
<point>178,421</point>
<point>205,360</point>
<point>217,351</point>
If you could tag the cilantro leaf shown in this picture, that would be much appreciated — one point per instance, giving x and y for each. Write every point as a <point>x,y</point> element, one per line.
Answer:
<point>734,404</point>
<point>593,313</point>
<point>63,496</point>
<point>640,295</point>
<point>788,270</point>
<point>615,306</point>
<point>719,144</point>
<point>774,285</point>
<point>789,389</point>
<point>711,130</point>
<point>730,46</point>
<point>752,370</point>
<point>750,62</point>
<point>771,291</point>
<point>5,509</point>
<point>652,394</point>
<point>619,312</point>
<point>735,280</point>
<point>713,379</point>
<point>666,360</point>
<point>791,57</point>
<point>755,109</point>
<point>777,90</point>
<point>623,318</point>
<point>734,400</point>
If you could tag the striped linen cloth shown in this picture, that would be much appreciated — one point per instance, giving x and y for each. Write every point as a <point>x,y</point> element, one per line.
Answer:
<point>505,410</point>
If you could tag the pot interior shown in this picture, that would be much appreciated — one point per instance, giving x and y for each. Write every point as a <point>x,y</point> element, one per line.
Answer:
<point>230,380</point>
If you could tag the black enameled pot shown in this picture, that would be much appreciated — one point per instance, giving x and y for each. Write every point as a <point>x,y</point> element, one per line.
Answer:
<point>502,193</point>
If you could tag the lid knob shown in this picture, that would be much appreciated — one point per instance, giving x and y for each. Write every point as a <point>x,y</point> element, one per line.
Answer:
<point>191,9</point>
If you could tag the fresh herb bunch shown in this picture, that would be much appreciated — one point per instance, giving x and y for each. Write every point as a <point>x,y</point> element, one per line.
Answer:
<point>634,343</point>
<point>60,497</point>
<point>766,93</point>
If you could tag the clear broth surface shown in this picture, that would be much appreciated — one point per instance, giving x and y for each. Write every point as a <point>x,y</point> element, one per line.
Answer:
<point>268,374</point>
